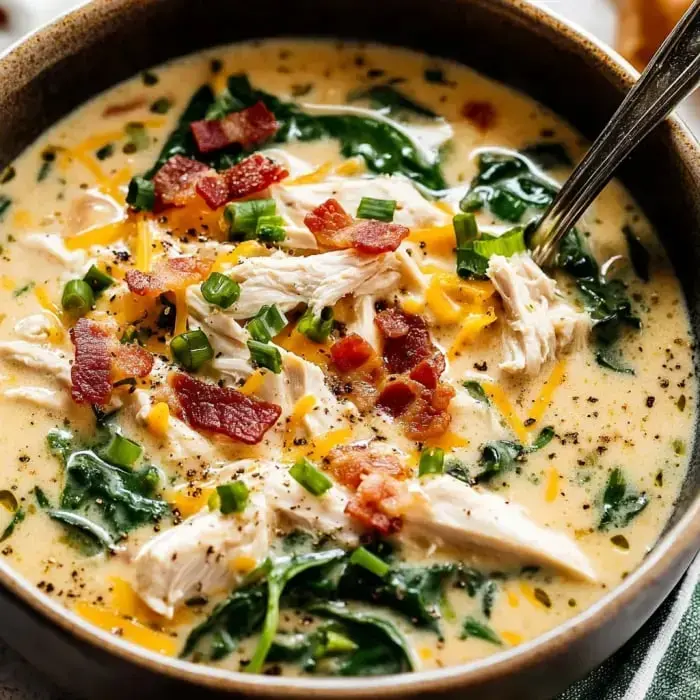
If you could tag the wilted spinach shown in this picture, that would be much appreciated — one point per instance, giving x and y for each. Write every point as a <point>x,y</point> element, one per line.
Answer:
<point>620,502</point>
<point>501,455</point>
<point>473,628</point>
<point>390,100</point>
<point>639,255</point>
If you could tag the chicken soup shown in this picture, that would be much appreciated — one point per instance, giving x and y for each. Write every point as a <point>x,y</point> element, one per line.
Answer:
<point>283,389</point>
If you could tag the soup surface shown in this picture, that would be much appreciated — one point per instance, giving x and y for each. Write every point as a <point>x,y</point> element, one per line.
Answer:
<point>282,388</point>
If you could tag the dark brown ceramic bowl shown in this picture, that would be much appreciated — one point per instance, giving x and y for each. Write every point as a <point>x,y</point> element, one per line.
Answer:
<point>85,52</point>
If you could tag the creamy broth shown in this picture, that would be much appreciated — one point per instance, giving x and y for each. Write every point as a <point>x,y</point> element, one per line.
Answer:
<point>67,211</point>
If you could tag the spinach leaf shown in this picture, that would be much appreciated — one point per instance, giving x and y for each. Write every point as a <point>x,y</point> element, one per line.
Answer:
<point>120,499</point>
<point>83,534</point>
<point>607,357</point>
<point>507,187</point>
<point>639,255</point>
<point>384,148</point>
<point>473,628</point>
<point>548,154</point>
<point>457,469</point>
<point>281,572</point>
<point>390,100</point>
<point>543,439</point>
<point>381,648</point>
<point>497,457</point>
<point>17,518</point>
<point>476,583</point>
<point>620,503</point>
<point>476,391</point>
<point>60,444</point>
<point>239,616</point>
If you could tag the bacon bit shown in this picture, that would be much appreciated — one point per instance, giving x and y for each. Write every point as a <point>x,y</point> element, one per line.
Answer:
<point>333,227</point>
<point>351,352</point>
<point>248,127</point>
<point>481,114</point>
<point>214,190</point>
<point>402,353</point>
<point>397,395</point>
<point>131,360</point>
<point>223,410</point>
<point>253,174</point>
<point>123,107</point>
<point>427,372</point>
<point>350,464</point>
<point>326,221</point>
<point>377,494</point>
<point>374,237</point>
<point>392,323</point>
<point>91,371</point>
<point>175,183</point>
<point>169,275</point>
<point>428,416</point>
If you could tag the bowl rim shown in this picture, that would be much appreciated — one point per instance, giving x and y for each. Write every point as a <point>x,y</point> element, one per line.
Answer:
<point>681,542</point>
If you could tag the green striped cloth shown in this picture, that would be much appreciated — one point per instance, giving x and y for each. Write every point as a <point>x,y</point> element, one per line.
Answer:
<point>662,662</point>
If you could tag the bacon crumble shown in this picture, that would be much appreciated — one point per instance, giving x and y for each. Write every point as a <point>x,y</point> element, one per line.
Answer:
<point>351,352</point>
<point>481,114</point>
<point>176,182</point>
<point>169,275</point>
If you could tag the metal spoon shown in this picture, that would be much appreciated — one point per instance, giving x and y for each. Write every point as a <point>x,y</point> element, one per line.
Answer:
<point>672,74</point>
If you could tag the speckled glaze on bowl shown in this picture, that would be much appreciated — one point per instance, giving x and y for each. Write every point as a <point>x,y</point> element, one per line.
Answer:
<point>57,68</point>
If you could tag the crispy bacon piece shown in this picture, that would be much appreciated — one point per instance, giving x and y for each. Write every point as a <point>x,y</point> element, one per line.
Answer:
<point>175,183</point>
<point>374,237</point>
<point>428,372</point>
<point>248,127</point>
<point>169,275</point>
<point>376,498</point>
<point>120,108</point>
<point>92,369</point>
<point>428,416</point>
<point>351,352</point>
<point>403,352</point>
<point>100,359</point>
<point>333,227</point>
<point>481,114</point>
<point>326,222</point>
<point>253,174</point>
<point>350,464</point>
<point>397,395</point>
<point>213,189</point>
<point>223,410</point>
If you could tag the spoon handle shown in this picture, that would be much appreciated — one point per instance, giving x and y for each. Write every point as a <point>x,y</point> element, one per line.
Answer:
<point>671,75</point>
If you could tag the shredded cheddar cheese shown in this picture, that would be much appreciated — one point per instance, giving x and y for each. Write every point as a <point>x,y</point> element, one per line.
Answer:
<point>472,325</point>
<point>246,249</point>
<point>253,383</point>
<point>99,235</point>
<point>552,488</point>
<point>512,599</point>
<point>503,404</point>
<point>180,311</point>
<point>438,240</point>
<point>243,564</point>
<point>301,408</point>
<point>290,339</point>
<point>512,638</point>
<point>543,401</point>
<point>188,504</point>
<point>318,175</point>
<point>320,446</point>
<point>158,418</point>
<point>529,594</point>
<point>144,245</point>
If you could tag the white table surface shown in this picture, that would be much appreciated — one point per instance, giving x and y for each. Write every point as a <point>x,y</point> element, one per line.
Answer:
<point>18,680</point>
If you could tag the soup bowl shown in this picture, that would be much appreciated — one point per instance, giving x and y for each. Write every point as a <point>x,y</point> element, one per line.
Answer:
<point>57,68</point>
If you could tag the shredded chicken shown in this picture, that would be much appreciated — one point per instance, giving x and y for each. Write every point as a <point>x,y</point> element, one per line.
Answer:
<point>540,323</point>
<point>317,280</point>
<point>39,396</point>
<point>447,509</point>
<point>39,358</point>
<point>53,245</point>
<point>36,328</point>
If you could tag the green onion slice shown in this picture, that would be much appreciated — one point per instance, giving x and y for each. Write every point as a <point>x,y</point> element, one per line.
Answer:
<point>233,497</point>
<point>466,229</point>
<point>270,229</point>
<point>78,297</point>
<point>142,194</point>
<point>508,244</point>
<point>432,461</point>
<point>242,217</point>
<point>220,290</point>
<point>266,324</point>
<point>191,349</point>
<point>364,558</point>
<point>98,280</point>
<point>316,328</point>
<point>313,480</point>
<point>121,451</point>
<point>265,355</point>
<point>378,209</point>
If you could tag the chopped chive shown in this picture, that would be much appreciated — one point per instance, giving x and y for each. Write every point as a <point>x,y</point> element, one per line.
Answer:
<point>138,136</point>
<point>142,194</point>
<point>191,349</point>
<point>233,497</point>
<point>266,324</point>
<point>77,297</point>
<point>220,290</point>
<point>364,558</point>
<point>270,229</point>
<point>242,217</point>
<point>161,106</point>
<point>5,202</point>
<point>121,451</point>
<point>432,461</point>
<point>336,643</point>
<point>313,480</point>
<point>508,244</point>
<point>316,328</point>
<point>378,209</point>
<point>98,280</point>
<point>7,174</point>
<point>265,355</point>
<point>466,229</point>
<point>105,152</point>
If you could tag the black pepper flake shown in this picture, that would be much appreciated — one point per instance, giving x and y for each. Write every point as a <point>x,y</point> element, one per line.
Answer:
<point>650,401</point>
